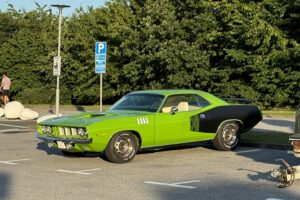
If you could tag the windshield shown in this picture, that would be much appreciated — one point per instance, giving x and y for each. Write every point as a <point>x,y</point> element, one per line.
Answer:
<point>139,102</point>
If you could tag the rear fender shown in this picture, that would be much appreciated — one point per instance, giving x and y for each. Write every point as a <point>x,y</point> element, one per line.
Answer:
<point>209,121</point>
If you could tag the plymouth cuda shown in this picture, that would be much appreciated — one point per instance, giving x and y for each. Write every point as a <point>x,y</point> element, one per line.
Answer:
<point>151,119</point>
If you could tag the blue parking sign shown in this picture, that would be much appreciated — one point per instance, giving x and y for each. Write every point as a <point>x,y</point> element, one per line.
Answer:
<point>100,57</point>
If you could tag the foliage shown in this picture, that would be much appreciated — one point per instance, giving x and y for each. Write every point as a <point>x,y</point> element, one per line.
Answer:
<point>231,48</point>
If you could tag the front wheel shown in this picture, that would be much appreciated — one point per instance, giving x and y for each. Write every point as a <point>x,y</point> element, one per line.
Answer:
<point>227,137</point>
<point>122,147</point>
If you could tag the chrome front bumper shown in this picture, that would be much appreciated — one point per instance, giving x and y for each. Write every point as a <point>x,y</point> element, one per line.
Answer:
<point>50,139</point>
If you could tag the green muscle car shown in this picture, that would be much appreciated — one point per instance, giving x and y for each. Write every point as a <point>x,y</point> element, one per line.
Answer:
<point>151,119</point>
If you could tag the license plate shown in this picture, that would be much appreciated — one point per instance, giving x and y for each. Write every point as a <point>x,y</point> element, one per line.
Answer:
<point>61,145</point>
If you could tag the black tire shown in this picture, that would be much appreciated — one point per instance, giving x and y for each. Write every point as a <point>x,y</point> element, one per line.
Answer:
<point>122,147</point>
<point>227,137</point>
<point>72,154</point>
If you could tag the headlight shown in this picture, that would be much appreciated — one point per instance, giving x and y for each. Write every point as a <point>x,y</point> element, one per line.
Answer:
<point>47,129</point>
<point>82,132</point>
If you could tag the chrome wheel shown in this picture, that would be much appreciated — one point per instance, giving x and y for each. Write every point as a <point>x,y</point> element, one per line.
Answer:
<point>229,134</point>
<point>124,146</point>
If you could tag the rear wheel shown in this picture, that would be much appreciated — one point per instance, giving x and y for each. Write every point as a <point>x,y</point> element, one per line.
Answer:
<point>122,147</point>
<point>227,137</point>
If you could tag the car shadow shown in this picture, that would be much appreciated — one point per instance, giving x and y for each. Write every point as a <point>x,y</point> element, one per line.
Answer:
<point>54,151</point>
<point>205,144</point>
<point>4,185</point>
<point>44,147</point>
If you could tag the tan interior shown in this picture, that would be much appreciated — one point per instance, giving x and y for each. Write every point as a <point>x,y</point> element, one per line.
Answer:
<point>182,106</point>
<point>166,109</point>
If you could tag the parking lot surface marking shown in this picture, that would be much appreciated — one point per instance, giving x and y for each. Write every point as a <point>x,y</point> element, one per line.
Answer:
<point>12,162</point>
<point>12,130</point>
<point>249,151</point>
<point>178,184</point>
<point>8,128</point>
<point>12,126</point>
<point>81,172</point>
<point>273,199</point>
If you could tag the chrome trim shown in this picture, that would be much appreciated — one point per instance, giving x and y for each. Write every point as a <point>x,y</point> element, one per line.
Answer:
<point>67,140</point>
<point>74,131</point>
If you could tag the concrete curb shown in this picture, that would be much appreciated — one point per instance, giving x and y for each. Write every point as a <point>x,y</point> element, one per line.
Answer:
<point>267,146</point>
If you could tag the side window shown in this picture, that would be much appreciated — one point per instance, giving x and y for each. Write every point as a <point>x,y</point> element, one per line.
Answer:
<point>202,102</point>
<point>187,102</point>
<point>174,101</point>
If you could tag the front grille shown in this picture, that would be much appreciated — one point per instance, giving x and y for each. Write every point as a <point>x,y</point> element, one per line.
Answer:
<point>67,131</point>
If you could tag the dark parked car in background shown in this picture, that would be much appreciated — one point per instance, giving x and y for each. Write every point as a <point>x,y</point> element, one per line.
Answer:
<point>296,137</point>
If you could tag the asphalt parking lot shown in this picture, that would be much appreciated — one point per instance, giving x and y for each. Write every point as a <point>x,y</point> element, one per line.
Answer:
<point>30,170</point>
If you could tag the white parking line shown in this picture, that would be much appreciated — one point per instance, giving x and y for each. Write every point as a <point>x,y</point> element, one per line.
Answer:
<point>178,184</point>
<point>12,162</point>
<point>12,125</point>
<point>273,199</point>
<point>10,130</point>
<point>81,172</point>
<point>248,151</point>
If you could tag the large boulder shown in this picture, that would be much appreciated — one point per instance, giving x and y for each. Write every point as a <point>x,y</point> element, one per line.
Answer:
<point>1,112</point>
<point>28,114</point>
<point>13,109</point>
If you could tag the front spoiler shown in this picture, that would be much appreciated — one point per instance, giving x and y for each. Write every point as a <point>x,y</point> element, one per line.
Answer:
<point>50,139</point>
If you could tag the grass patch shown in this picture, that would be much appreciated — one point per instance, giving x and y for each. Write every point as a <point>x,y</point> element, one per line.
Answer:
<point>267,137</point>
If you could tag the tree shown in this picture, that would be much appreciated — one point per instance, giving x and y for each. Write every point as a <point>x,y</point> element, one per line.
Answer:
<point>27,55</point>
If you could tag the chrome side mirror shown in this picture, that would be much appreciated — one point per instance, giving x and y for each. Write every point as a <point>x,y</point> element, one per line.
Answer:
<point>174,109</point>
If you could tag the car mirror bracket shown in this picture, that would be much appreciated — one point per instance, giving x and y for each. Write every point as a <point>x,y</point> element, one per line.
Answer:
<point>174,109</point>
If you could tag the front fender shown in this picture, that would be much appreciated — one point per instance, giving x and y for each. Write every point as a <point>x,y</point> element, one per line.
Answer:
<point>103,131</point>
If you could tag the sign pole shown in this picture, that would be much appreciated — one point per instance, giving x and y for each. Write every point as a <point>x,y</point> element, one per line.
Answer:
<point>101,92</point>
<point>57,71</point>
<point>58,54</point>
<point>100,65</point>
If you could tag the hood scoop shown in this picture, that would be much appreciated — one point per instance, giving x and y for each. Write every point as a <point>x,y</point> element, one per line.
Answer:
<point>98,115</point>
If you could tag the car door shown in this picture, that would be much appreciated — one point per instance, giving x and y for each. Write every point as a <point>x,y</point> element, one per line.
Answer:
<point>173,127</point>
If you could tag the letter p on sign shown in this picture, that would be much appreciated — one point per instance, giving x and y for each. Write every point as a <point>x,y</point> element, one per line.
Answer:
<point>100,48</point>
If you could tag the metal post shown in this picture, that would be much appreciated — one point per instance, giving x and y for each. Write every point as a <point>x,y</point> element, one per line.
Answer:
<point>58,54</point>
<point>60,7</point>
<point>101,92</point>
